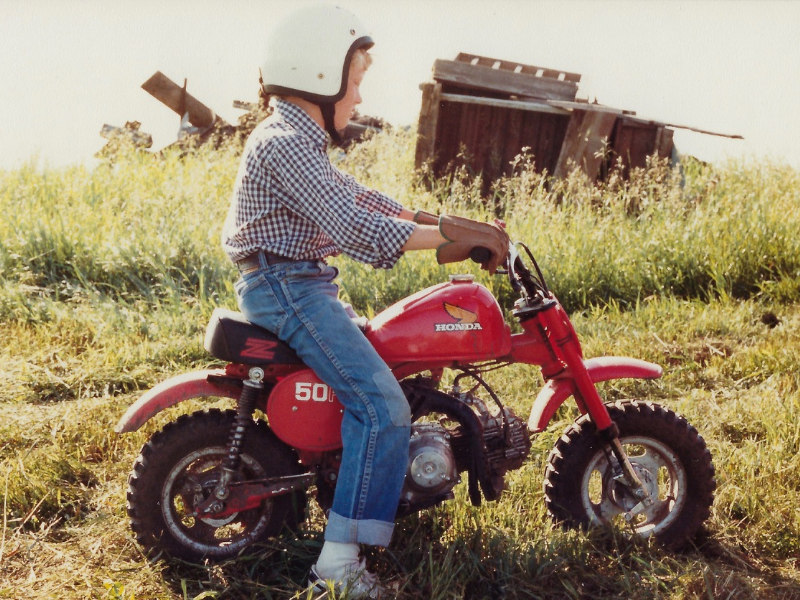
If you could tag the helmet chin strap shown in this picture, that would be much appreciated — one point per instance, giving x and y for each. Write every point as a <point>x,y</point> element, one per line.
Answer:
<point>328,111</point>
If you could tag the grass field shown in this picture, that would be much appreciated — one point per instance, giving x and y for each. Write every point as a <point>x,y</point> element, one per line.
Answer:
<point>109,276</point>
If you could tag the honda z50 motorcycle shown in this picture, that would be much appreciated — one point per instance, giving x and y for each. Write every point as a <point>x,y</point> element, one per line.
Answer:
<point>213,482</point>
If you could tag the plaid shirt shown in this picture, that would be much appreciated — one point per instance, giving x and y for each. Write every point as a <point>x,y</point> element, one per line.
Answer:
<point>290,200</point>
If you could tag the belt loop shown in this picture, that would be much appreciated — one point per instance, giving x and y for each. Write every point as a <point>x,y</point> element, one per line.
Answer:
<point>262,259</point>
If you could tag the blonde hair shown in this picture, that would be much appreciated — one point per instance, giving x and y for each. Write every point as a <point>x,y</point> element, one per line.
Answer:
<point>361,58</point>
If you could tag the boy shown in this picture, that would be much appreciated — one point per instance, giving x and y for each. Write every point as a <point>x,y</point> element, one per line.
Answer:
<point>292,209</point>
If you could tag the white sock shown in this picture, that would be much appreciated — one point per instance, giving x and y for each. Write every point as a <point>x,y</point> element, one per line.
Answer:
<point>334,559</point>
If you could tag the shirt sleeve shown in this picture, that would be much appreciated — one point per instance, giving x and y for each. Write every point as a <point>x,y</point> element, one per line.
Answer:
<point>370,199</point>
<point>316,191</point>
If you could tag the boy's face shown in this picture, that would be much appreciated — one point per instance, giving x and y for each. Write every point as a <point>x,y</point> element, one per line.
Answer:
<point>352,98</point>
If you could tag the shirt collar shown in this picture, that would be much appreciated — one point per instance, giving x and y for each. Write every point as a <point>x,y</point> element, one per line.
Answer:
<point>300,120</point>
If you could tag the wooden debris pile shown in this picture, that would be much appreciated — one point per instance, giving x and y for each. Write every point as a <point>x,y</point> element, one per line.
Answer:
<point>200,125</point>
<point>481,113</point>
<point>128,134</point>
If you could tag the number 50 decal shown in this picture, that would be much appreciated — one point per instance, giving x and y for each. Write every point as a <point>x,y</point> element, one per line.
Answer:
<point>318,392</point>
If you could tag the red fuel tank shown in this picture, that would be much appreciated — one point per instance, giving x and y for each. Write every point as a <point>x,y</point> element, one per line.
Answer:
<point>455,321</point>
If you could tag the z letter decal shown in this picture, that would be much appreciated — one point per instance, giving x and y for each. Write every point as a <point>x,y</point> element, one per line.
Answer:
<point>255,348</point>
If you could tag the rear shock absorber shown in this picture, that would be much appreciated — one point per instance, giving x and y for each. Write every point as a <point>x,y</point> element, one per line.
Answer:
<point>251,390</point>
<point>245,406</point>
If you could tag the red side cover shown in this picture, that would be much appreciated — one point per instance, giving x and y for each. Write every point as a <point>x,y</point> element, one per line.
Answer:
<point>305,413</point>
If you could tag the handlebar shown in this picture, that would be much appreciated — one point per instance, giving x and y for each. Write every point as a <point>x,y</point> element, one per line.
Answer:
<point>520,276</point>
<point>480,254</point>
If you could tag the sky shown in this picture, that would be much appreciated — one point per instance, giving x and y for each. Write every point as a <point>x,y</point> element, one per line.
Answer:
<point>67,67</point>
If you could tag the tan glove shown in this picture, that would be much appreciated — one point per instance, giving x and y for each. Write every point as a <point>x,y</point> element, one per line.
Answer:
<point>423,217</point>
<point>466,234</point>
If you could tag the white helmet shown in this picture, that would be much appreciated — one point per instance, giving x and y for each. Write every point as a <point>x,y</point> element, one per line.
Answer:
<point>309,52</point>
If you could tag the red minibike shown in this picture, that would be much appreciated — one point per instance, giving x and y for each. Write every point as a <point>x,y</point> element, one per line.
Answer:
<point>213,482</point>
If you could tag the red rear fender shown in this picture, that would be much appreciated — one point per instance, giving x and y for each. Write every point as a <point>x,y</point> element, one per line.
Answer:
<point>173,391</point>
<point>603,368</point>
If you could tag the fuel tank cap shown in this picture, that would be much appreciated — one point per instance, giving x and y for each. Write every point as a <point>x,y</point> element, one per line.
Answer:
<point>462,278</point>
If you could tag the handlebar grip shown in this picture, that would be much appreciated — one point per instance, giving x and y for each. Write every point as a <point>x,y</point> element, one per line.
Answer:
<point>480,254</point>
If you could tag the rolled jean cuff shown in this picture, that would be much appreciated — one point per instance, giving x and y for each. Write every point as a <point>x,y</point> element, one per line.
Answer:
<point>351,531</point>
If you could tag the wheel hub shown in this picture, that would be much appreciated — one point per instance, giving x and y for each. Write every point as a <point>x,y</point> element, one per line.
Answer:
<point>620,493</point>
<point>662,476</point>
<point>200,498</point>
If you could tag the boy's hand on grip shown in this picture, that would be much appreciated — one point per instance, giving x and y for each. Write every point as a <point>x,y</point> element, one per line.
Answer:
<point>465,234</point>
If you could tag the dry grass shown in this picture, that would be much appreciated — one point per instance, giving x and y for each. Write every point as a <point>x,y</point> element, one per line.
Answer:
<point>110,275</point>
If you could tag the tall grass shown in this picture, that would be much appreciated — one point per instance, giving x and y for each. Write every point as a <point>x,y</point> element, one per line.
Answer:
<point>110,274</point>
<point>142,228</point>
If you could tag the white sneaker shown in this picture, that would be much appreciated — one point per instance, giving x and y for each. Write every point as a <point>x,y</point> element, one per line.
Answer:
<point>353,579</point>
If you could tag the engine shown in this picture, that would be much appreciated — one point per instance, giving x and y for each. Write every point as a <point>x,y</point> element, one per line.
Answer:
<point>507,447</point>
<point>438,453</point>
<point>432,471</point>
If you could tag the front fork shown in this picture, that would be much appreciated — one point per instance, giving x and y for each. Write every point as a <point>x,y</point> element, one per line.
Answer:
<point>609,432</point>
<point>627,475</point>
<point>564,341</point>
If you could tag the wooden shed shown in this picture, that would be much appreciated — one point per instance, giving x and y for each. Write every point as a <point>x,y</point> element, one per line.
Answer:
<point>482,112</point>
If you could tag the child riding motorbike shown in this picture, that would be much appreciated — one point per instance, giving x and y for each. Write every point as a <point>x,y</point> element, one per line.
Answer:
<point>291,210</point>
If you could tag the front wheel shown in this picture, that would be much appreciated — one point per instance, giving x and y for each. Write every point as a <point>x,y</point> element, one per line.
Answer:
<point>582,487</point>
<point>179,468</point>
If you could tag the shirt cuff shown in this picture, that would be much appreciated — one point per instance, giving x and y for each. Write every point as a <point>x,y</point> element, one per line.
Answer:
<point>389,248</point>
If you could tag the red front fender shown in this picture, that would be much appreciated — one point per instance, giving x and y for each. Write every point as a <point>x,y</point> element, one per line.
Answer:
<point>172,391</point>
<point>603,368</point>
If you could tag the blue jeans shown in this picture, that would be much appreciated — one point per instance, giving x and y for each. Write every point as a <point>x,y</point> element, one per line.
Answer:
<point>298,301</point>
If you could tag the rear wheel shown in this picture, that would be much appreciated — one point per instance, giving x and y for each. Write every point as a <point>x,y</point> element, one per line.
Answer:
<point>668,455</point>
<point>178,469</point>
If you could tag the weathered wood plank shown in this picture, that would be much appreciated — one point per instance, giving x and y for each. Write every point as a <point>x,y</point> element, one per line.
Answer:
<point>529,105</point>
<point>550,139</point>
<point>512,145</point>
<point>468,135</point>
<point>529,136</point>
<point>633,141</point>
<point>481,129</point>
<point>427,123</point>
<point>483,78</point>
<point>447,135</point>
<point>516,67</point>
<point>570,105</point>
<point>733,136</point>
<point>497,138</point>
<point>664,143</point>
<point>175,97</point>
<point>584,142</point>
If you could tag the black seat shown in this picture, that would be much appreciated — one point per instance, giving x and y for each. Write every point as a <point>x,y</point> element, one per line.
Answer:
<point>232,338</point>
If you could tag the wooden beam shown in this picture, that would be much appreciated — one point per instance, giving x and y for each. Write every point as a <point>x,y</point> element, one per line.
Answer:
<point>585,141</point>
<point>630,116</point>
<point>483,78</point>
<point>168,92</point>
<point>733,136</point>
<point>570,105</point>
<point>530,105</point>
